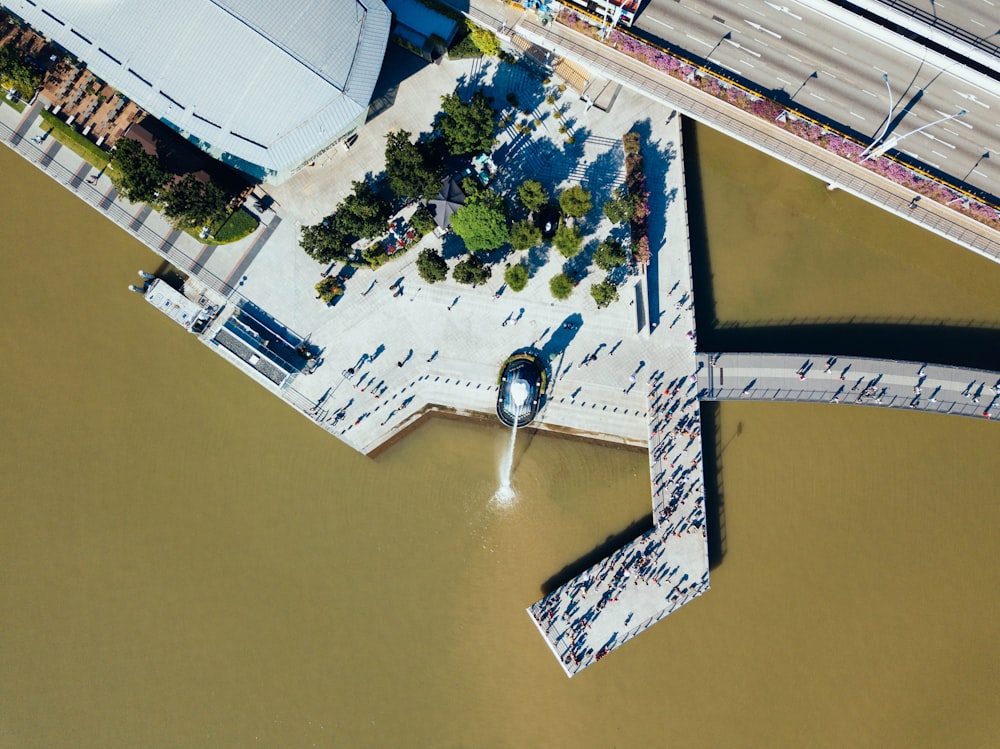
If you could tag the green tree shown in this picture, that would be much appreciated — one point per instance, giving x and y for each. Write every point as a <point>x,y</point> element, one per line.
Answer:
<point>604,293</point>
<point>532,194</point>
<point>467,126</point>
<point>574,201</point>
<point>16,72</point>
<point>330,288</point>
<point>561,286</point>
<point>482,221</point>
<point>363,213</point>
<point>192,203</point>
<point>610,254</point>
<point>516,277</point>
<point>472,271</point>
<point>620,207</point>
<point>410,167</point>
<point>431,266</point>
<point>524,235</point>
<point>567,240</point>
<point>138,175</point>
<point>485,40</point>
<point>325,243</point>
<point>422,221</point>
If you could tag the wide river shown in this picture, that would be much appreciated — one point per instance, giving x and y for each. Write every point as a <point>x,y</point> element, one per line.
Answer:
<point>187,562</point>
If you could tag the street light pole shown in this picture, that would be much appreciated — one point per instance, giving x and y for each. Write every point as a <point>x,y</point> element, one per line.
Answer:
<point>891,143</point>
<point>888,119</point>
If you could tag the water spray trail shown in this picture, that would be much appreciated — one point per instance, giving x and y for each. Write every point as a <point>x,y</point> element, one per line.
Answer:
<point>505,492</point>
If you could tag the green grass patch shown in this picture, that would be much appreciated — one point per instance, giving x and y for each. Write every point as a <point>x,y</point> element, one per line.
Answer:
<point>75,142</point>
<point>19,105</point>
<point>240,224</point>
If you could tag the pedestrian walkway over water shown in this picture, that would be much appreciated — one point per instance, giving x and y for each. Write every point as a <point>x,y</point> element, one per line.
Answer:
<point>821,378</point>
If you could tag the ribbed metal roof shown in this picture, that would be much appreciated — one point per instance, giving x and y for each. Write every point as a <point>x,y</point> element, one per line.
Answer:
<point>270,83</point>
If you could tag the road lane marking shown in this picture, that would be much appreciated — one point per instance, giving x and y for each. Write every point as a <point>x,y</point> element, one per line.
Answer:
<point>835,49</point>
<point>657,20</point>
<point>793,57</point>
<point>816,96</point>
<point>748,64</point>
<point>855,114</point>
<point>866,91</point>
<point>787,83</point>
<point>699,40</point>
<point>758,27</point>
<point>744,49</point>
<point>977,22</point>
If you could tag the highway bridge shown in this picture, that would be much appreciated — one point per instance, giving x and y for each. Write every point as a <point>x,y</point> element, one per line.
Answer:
<point>878,84</point>
<point>838,379</point>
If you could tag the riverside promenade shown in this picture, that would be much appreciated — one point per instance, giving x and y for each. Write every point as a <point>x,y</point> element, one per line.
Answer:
<point>850,380</point>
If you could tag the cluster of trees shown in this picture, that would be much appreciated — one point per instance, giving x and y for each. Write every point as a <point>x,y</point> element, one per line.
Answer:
<point>363,213</point>
<point>414,170</point>
<point>141,178</point>
<point>471,270</point>
<point>16,72</point>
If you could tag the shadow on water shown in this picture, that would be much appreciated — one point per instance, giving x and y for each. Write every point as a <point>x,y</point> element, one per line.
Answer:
<point>715,505</point>
<point>968,343</point>
<point>946,342</point>
<point>610,545</point>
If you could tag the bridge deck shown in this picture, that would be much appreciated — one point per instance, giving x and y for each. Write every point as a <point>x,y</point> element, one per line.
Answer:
<point>822,378</point>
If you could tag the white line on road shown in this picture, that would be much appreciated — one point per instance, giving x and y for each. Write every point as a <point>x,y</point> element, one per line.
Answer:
<point>855,114</point>
<point>752,10</point>
<point>758,27</point>
<point>816,96</point>
<point>949,130</point>
<point>829,74</point>
<point>783,9</point>
<point>835,49</point>
<point>793,57</point>
<point>939,155</point>
<point>761,43</point>
<point>657,20</point>
<point>727,67</point>
<point>699,40</point>
<point>866,91</point>
<point>787,83</point>
<point>748,64</point>
<point>741,47</point>
<point>977,22</point>
<point>799,31</point>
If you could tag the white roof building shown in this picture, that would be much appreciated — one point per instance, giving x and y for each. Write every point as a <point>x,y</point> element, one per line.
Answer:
<point>264,86</point>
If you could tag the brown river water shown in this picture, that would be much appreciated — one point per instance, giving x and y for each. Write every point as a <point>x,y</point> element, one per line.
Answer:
<point>187,562</point>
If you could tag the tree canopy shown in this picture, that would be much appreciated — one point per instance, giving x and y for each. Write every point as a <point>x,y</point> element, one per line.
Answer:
<point>574,201</point>
<point>604,293</point>
<point>524,235</point>
<point>568,240</point>
<point>482,221</point>
<point>468,126</point>
<point>192,203</point>
<point>472,271</point>
<point>16,72</point>
<point>363,213</point>
<point>411,168</point>
<point>138,175</point>
<point>561,286</point>
<point>431,266</point>
<point>532,194</point>
<point>516,277</point>
<point>610,254</point>
<point>620,207</point>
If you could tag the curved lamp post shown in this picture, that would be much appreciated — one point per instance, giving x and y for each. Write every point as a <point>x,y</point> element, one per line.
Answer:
<point>893,141</point>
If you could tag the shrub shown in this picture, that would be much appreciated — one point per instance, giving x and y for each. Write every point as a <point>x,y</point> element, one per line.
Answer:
<point>516,277</point>
<point>486,41</point>
<point>240,224</point>
<point>631,142</point>
<point>561,286</point>
<point>330,288</point>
